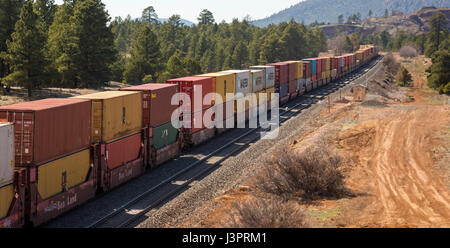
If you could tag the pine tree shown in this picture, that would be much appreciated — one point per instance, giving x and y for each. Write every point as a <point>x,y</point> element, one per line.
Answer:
<point>95,42</point>
<point>192,66</point>
<point>145,58</point>
<point>404,78</point>
<point>386,13</point>
<point>206,18</point>
<point>117,68</point>
<point>370,13</point>
<point>63,44</point>
<point>439,77</point>
<point>26,50</point>
<point>240,56</point>
<point>9,14</point>
<point>46,10</point>
<point>293,42</point>
<point>438,32</point>
<point>270,50</point>
<point>149,15</point>
<point>175,68</point>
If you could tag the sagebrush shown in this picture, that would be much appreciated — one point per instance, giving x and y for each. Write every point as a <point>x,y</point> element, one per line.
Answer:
<point>313,173</point>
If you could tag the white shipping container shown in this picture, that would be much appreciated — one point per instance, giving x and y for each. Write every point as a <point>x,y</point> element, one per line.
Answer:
<point>270,74</point>
<point>243,81</point>
<point>258,80</point>
<point>301,83</point>
<point>6,153</point>
<point>308,84</point>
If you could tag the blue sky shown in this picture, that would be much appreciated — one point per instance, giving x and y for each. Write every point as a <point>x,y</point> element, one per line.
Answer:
<point>189,9</point>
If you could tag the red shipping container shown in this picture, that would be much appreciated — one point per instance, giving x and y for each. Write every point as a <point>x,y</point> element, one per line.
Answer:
<point>292,67</point>
<point>281,72</point>
<point>48,129</point>
<point>156,103</point>
<point>306,69</point>
<point>292,86</point>
<point>123,151</point>
<point>187,84</point>
<point>324,64</point>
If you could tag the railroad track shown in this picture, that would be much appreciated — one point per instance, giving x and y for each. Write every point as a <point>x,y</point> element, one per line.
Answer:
<point>131,212</point>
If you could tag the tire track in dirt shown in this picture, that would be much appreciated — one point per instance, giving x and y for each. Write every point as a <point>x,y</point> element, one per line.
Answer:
<point>400,161</point>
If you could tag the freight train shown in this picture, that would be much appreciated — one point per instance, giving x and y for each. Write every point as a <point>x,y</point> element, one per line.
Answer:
<point>56,154</point>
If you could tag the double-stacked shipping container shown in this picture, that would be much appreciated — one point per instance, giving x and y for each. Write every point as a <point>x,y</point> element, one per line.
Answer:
<point>197,127</point>
<point>306,75</point>
<point>281,81</point>
<point>269,81</point>
<point>315,69</point>
<point>52,145</point>
<point>164,140</point>
<point>297,79</point>
<point>258,87</point>
<point>244,86</point>
<point>224,84</point>
<point>117,136</point>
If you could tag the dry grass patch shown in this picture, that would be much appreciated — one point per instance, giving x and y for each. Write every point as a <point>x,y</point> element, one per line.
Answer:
<point>266,213</point>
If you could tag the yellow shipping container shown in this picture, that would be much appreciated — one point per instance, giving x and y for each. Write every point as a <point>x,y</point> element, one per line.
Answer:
<point>302,73</point>
<point>298,68</point>
<point>223,83</point>
<point>6,197</point>
<point>269,93</point>
<point>72,170</point>
<point>115,114</point>
<point>328,63</point>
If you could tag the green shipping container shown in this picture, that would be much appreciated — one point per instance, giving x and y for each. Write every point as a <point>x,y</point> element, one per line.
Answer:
<point>164,135</point>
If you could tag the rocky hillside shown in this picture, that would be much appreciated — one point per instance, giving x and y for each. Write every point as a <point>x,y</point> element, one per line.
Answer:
<point>328,11</point>
<point>417,22</point>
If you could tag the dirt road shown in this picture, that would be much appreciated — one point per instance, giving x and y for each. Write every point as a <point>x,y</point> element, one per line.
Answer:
<point>407,188</point>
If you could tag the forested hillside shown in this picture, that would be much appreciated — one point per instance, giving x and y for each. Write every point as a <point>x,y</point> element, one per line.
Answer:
<point>78,45</point>
<point>328,11</point>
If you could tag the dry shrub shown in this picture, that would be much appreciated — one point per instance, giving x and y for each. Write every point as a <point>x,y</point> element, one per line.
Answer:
<point>408,52</point>
<point>313,173</point>
<point>266,213</point>
<point>391,66</point>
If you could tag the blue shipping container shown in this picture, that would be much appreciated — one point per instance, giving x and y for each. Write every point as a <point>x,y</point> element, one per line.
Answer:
<point>313,65</point>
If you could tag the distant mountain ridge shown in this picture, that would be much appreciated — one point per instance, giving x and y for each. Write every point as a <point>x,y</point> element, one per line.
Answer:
<point>326,11</point>
<point>184,21</point>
